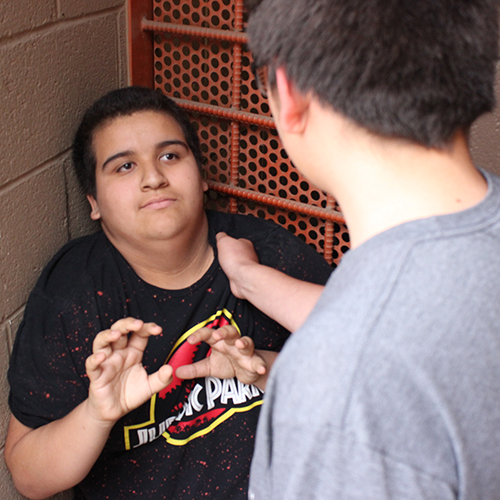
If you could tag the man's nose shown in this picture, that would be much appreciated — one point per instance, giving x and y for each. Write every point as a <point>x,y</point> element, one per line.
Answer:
<point>154,176</point>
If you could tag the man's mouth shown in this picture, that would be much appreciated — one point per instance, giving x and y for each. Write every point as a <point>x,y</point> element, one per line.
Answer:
<point>158,203</point>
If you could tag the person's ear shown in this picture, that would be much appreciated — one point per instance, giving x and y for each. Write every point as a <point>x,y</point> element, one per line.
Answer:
<point>293,105</point>
<point>94,214</point>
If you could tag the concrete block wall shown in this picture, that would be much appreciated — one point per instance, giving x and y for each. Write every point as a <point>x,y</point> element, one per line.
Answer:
<point>56,58</point>
<point>485,136</point>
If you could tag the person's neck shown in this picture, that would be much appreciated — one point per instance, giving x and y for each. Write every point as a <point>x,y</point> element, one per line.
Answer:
<point>404,182</point>
<point>381,183</point>
<point>171,264</point>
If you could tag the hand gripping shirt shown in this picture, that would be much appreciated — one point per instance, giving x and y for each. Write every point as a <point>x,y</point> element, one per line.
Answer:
<point>193,439</point>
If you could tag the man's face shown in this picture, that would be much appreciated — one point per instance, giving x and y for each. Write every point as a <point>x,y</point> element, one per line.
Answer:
<point>148,185</point>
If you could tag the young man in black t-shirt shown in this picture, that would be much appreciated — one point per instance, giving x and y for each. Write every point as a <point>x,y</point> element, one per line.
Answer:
<point>96,398</point>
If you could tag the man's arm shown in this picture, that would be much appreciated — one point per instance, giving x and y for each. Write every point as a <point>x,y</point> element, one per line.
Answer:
<point>285,299</point>
<point>56,456</point>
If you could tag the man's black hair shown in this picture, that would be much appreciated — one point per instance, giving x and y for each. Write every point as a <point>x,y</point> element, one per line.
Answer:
<point>122,102</point>
<point>415,69</point>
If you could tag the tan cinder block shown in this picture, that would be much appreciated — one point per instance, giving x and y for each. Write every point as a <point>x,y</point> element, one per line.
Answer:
<point>32,228</point>
<point>16,17</point>
<point>7,487</point>
<point>79,221</point>
<point>485,146</point>
<point>7,333</point>
<point>122,46</point>
<point>47,81</point>
<point>12,326</point>
<point>65,495</point>
<point>4,386</point>
<point>71,8</point>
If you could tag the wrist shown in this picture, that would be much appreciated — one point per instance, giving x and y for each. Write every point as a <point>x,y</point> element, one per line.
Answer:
<point>97,418</point>
<point>246,279</point>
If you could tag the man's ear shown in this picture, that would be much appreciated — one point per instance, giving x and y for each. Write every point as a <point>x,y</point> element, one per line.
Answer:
<point>293,105</point>
<point>94,214</point>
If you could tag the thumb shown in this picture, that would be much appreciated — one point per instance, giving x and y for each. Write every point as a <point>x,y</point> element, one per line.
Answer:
<point>160,379</point>
<point>199,369</point>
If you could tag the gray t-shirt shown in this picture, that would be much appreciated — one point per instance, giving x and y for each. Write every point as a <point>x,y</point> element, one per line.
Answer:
<point>391,390</point>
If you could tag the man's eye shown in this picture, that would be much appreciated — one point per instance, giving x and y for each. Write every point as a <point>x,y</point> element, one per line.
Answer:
<point>169,156</point>
<point>125,167</point>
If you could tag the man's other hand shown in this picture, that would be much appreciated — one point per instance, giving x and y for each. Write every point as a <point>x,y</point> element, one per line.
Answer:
<point>118,381</point>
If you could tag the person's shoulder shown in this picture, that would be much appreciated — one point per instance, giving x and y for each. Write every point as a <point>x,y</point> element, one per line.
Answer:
<point>242,226</point>
<point>262,233</point>
<point>71,265</point>
<point>275,246</point>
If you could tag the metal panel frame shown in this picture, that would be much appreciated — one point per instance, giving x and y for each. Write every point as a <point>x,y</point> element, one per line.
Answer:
<point>195,52</point>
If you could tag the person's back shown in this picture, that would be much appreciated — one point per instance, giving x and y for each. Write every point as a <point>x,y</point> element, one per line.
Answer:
<point>404,403</point>
<point>373,101</point>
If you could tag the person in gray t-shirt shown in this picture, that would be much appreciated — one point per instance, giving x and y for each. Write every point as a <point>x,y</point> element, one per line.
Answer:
<point>390,388</point>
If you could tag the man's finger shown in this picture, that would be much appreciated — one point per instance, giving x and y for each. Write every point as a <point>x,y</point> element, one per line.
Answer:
<point>139,338</point>
<point>221,235</point>
<point>245,346</point>
<point>228,333</point>
<point>118,330</point>
<point>259,365</point>
<point>149,329</point>
<point>104,339</point>
<point>199,369</point>
<point>93,365</point>
<point>126,325</point>
<point>204,334</point>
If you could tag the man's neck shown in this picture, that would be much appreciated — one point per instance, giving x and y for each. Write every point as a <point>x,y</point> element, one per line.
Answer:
<point>408,182</point>
<point>171,264</point>
<point>381,183</point>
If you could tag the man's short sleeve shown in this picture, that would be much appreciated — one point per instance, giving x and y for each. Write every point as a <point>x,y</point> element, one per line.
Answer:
<point>45,382</point>
<point>287,253</point>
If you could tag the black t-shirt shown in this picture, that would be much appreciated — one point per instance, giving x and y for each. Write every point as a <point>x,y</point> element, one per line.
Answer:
<point>195,438</point>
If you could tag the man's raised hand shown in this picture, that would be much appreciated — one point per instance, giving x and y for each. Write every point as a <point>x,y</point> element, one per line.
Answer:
<point>236,256</point>
<point>118,381</point>
<point>231,356</point>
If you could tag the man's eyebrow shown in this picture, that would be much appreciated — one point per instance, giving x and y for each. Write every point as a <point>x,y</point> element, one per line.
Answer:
<point>114,157</point>
<point>174,142</point>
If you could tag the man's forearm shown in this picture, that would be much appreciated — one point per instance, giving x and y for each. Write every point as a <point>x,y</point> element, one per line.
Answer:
<point>285,299</point>
<point>56,456</point>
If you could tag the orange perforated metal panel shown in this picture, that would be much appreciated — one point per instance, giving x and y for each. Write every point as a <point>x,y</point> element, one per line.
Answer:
<point>201,60</point>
